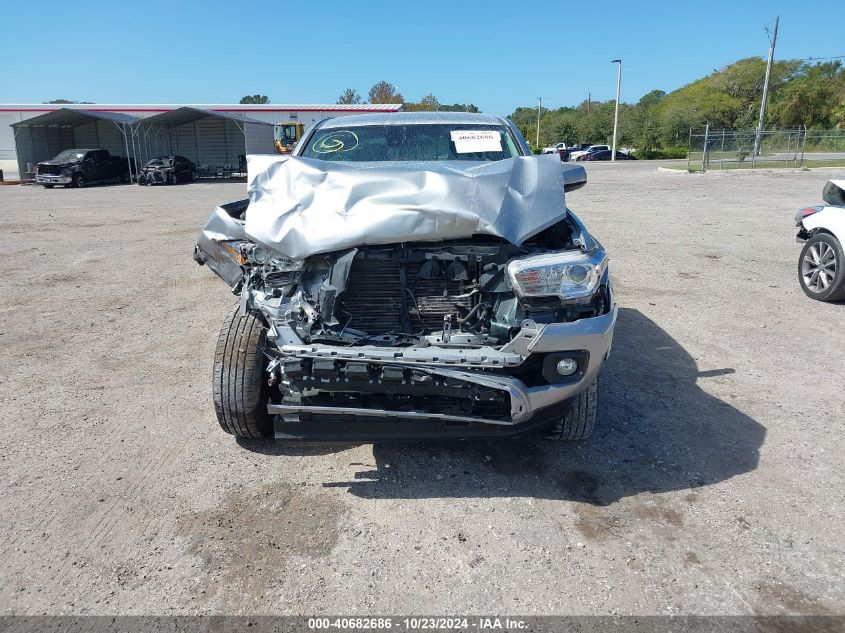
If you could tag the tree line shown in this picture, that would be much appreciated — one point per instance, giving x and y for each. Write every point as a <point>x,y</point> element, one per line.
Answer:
<point>800,93</point>
<point>385,92</point>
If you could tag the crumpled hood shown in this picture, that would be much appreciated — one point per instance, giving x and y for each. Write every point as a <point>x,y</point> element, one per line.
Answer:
<point>301,207</point>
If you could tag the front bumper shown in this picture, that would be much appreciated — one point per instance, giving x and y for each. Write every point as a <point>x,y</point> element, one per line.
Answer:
<point>347,428</point>
<point>531,407</point>
<point>49,179</point>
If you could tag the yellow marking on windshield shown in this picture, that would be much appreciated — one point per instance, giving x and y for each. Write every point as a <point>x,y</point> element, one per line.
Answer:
<point>339,141</point>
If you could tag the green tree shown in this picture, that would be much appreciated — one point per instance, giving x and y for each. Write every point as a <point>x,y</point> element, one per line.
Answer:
<point>255,99</point>
<point>350,95</point>
<point>428,103</point>
<point>743,81</point>
<point>675,124</point>
<point>597,125</point>
<point>525,119</point>
<point>800,93</point>
<point>838,118</point>
<point>459,107</point>
<point>559,126</point>
<point>811,97</point>
<point>643,123</point>
<point>651,99</point>
<point>384,92</point>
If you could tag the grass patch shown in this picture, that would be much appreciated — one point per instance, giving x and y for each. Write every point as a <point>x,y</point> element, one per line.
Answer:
<point>766,164</point>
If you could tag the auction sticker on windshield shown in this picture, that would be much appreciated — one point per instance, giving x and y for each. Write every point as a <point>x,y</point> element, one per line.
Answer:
<point>468,141</point>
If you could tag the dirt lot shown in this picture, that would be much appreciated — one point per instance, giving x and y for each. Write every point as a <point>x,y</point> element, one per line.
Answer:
<point>714,483</point>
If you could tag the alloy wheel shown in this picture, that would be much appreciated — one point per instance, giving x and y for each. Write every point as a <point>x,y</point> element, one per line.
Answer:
<point>818,268</point>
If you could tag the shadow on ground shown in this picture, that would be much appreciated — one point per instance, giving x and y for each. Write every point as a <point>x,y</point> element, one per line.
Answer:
<point>298,449</point>
<point>657,431</point>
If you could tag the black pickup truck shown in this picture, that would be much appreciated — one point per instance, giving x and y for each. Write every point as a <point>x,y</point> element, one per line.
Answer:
<point>80,167</point>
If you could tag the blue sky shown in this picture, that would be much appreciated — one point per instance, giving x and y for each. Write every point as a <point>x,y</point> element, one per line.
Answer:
<point>495,54</point>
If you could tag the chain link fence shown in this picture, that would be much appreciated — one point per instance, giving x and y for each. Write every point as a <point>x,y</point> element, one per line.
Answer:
<point>734,149</point>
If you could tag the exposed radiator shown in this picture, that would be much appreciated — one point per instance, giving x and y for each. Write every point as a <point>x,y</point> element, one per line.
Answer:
<point>373,297</point>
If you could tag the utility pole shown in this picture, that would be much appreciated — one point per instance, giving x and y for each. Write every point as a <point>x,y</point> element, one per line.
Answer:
<point>589,101</point>
<point>758,138</point>
<point>539,105</point>
<point>616,112</point>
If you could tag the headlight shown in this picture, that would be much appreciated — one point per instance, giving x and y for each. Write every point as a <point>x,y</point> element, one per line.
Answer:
<point>234,251</point>
<point>260,256</point>
<point>568,275</point>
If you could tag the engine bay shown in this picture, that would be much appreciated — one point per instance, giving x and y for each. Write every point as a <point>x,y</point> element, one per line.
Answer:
<point>449,294</point>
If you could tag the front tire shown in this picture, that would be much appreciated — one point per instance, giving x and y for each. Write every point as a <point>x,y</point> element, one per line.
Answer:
<point>48,186</point>
<point>78,181</point>
<point>821,268</point>
<point>172,179</point>
<point>580,418</point>
<point>240,386</point>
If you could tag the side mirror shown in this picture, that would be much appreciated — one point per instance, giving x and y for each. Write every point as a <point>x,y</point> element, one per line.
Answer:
<point>834,193</point>
<point>574,177</point>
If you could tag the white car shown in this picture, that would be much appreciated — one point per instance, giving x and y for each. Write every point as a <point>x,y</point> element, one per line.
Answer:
<point>591,148</point>
<point>821,267</point>
<point>554,149</point>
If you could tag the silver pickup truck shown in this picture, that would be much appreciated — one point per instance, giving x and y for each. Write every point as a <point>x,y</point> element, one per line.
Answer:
<point>409,275</point>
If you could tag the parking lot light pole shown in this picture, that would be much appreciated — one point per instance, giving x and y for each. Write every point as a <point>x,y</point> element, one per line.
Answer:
<point>539,105</point>
<point>616,111</point>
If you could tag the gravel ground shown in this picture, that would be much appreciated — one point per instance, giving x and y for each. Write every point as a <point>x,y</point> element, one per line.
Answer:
<point>714,482</point>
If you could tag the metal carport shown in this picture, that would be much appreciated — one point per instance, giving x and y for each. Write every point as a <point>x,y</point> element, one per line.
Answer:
<point>44,136</point>
<point>208,138</point>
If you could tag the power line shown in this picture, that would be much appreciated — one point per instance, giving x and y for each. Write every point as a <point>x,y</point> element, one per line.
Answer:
<point>818,59</point>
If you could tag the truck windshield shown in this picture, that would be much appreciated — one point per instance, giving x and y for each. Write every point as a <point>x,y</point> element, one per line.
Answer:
<point>71,154</point>
<point>419,142</point>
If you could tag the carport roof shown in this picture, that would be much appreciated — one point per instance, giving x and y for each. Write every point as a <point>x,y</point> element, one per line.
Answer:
<point>186,114</point>
<point>65,117</point>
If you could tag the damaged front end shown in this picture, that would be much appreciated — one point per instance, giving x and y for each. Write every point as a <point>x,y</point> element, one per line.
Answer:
<point>460,337</point>
<point>156,172</point>
<point>154,176</point>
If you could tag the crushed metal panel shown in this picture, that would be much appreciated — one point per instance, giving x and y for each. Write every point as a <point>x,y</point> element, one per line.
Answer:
<point>301,207</point>
<point>220,229</point>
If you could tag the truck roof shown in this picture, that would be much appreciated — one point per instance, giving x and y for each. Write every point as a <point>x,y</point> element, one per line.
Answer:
<point>411,118</point>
